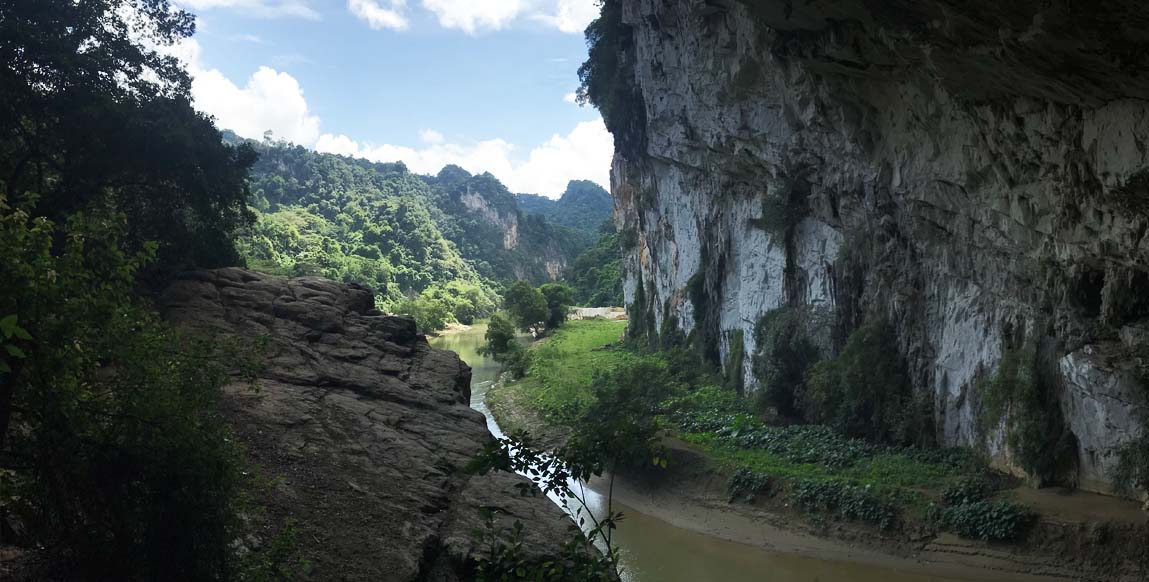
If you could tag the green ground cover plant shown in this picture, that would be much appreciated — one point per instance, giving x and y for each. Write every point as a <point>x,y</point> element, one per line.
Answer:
<point>812,467</point>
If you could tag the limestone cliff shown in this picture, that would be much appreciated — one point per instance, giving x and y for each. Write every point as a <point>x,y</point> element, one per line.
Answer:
<point>976,173</point>
<point>360,428</point>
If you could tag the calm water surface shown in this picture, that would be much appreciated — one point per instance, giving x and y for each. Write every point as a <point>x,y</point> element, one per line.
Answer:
<point>655,551</point>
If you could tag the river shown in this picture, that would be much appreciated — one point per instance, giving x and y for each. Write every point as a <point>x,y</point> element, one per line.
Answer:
<point>655,551</point>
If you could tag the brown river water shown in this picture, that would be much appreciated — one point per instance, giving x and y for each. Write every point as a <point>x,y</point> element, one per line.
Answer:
<point>653,550</point>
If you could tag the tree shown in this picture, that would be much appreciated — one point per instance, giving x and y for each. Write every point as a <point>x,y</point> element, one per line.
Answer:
<point>500,334</point>
<point>527,306</point>
<point>559,300</point>
<point>93,112</point>
<point>120,466</point>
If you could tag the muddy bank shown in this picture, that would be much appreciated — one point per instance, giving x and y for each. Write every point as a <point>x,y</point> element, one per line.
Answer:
<point>1080,536</point>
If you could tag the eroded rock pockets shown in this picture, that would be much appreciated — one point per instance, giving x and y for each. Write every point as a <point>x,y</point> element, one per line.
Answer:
<point>359,427</point>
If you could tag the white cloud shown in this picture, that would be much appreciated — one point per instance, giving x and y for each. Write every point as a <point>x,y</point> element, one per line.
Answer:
<point>273,100</point>
<point>269,100</point>
<point>471,16</point>
<point>378,17</point>
<point>259,8</point>
<point>430,136</point>
<point>570,16</point>
<point>571,97</point>
<point>584,153</point>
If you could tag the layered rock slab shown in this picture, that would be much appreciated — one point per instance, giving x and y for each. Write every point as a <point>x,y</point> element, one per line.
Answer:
<point>359,427</point>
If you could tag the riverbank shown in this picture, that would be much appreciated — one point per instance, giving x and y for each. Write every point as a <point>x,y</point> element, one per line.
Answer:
<point>1102,539</point>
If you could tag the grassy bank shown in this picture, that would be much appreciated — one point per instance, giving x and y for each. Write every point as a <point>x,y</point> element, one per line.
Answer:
<point>808,467</point>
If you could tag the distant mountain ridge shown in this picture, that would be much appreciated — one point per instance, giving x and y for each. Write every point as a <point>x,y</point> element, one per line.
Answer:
<point>584,206</point>
<point>398,232</point>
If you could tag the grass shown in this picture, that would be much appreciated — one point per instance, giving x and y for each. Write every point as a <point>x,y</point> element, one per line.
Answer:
<point>563,367</point>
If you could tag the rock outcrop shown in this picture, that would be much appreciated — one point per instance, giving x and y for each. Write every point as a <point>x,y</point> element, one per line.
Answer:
<point>976,173</point>
<point>359,427</point>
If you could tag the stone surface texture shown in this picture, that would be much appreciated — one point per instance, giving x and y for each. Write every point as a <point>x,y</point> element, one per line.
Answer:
<point>360,428</point>
<point>971,171</point>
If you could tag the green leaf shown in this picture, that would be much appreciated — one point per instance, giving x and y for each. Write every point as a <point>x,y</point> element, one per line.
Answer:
<point>8,325</point>
<point>15,352</point>
<point>21,333</point>
<point>4,367</point>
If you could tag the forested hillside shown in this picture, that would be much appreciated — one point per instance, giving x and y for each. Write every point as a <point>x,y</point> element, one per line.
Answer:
<point>583,207</point>
<point>436,247</point>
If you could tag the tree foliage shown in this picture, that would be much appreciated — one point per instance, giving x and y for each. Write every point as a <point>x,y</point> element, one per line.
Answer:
<point>559,299</point>
<point>597,273</point>
<point>119,467</point>
<point>582,208</point>
<point>527,306</point>
<point>91,109</point>
<point>865,391</point>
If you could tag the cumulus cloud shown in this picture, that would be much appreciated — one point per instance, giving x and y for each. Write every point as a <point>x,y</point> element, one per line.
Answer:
<point>431,136</point>
<point>571,97</point>
<point>584,153</point>
<point>474,16</point>
<point>471,16</point>
<point>378,17</point>
<point>268,100</point>
<point>259,8</point>
<point>275,101</point>
<point>570,16</point>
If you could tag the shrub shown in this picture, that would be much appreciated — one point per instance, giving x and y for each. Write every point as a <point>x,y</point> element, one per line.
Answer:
<point>864,392</point>
<point>1035,429</point>
<point>851,502</point>
<point>985,520</point>
<point>501,556</point>
<point>124,470</point>
<point>966,490</point>
<point>783,359</point>
<point>619,427</point>
<point>1132,470</point>
<point>745,484</point>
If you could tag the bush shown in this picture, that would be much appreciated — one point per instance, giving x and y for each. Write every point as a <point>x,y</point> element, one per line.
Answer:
<point>849,501</point>
<point>124,472</point>
<point>1132,471</point>
<point>783,359</point>
<point>745,484</point>
<point>966,490</point>
<point>619,426</point>
<point>985,520</point>
<point>864,392</point>
<point>1017,398</point>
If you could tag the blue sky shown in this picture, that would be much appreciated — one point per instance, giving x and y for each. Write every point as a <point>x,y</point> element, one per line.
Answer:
<point>481,83</point>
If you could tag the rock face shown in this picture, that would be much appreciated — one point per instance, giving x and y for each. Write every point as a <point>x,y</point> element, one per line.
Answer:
<point>976,173</point>
<point>360,427</point>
